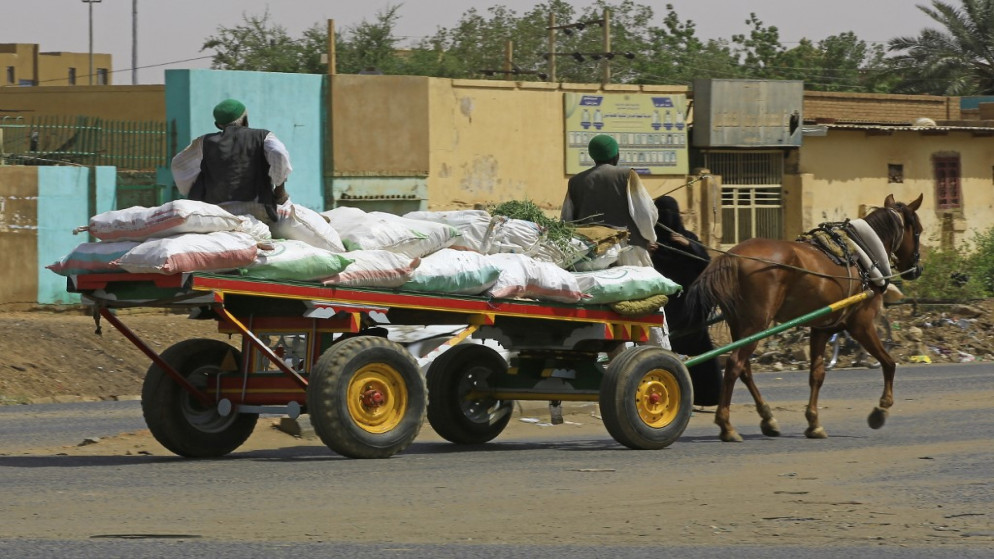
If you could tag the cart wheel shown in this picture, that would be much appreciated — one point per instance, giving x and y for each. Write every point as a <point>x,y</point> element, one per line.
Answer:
<point>451,377</point>
<point>646,398</point>
<point>366,398</point>
<point>178,420</point>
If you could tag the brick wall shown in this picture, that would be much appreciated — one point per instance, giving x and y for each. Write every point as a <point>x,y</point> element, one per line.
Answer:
<point>878,108</point>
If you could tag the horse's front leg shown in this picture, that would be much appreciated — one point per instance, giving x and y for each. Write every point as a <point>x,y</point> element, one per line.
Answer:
<point>816,378</point>
<point>866,334</point>
<point>737,364</point>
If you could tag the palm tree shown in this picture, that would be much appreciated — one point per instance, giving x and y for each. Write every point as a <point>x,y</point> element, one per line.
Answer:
<point>955,60</point>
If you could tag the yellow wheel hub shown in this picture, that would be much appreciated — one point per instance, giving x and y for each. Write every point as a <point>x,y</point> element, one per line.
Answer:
<point>657,398</point>
<point>377,397</point>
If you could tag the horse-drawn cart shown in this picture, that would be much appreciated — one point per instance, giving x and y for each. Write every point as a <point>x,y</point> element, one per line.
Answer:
<point>326,351</point>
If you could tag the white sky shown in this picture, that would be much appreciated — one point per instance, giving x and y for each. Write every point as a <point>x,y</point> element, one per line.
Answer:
<point>170,32</point>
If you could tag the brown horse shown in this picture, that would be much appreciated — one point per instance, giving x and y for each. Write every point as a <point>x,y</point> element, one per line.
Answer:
<point>762,280</point>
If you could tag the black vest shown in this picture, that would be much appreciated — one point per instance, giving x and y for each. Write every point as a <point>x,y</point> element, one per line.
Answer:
<point>600,196</point>
<point>234,167</point>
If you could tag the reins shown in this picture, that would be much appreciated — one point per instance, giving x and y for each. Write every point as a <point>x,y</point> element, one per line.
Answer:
<point>897,215</point>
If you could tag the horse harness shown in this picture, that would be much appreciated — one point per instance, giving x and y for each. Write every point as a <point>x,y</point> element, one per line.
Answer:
<point>854,244</point>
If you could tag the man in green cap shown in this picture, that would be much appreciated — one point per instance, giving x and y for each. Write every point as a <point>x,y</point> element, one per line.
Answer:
<point>610,195</point>
<point>235,166</point>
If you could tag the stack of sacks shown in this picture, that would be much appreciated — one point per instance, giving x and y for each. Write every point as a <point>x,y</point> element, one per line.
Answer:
<point>488,256</point>
<point>387,248</point>
<point>179,236</point>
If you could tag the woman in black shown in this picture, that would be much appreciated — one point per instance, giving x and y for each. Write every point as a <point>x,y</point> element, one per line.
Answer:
<point>682,258</point>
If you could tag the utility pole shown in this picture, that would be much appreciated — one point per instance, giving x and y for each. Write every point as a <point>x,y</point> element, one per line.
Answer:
<point>607,46</point>
<point>508,56</point>
<point>91,2</point>
<point>331,47</point>
<point>134,42</point>
<point>552,47</point>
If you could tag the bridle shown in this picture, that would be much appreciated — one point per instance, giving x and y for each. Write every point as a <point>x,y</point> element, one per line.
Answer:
<point>916,269</point>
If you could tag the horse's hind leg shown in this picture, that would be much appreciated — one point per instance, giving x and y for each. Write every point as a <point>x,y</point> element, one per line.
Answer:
<point>816,377</point>
<point>865,333</point>
<point>769,424</point>
<point>737,365</point>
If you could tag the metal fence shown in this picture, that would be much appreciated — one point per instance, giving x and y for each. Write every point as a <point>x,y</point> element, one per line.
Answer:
<point>82,140</point>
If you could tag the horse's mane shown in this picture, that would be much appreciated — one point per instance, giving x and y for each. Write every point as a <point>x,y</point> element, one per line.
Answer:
<point>888,228</point>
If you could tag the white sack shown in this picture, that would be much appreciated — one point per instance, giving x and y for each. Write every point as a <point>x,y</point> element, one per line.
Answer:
<point>92,258</point>
<point>459,272</point>
<point>191,252</point>
<point>300,223</point>
<point>623,283</point>
<point>296,260</point>
<point>374,268</point>
<point>472,226</point>
<point>385,231</point>
<point>139,223</point>
<point>522,276</point>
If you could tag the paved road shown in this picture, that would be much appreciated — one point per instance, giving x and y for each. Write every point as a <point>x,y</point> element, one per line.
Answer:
<point>126,506</point>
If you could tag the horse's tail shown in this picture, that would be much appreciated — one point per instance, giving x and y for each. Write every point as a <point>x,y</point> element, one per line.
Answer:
<point>715,288</point>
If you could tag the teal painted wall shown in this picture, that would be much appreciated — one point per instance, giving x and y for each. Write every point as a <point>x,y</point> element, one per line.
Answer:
<point>64,204</point>
<point>291,106</point>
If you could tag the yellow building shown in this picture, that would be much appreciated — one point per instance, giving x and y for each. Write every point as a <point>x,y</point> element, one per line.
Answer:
<point>23,64</point>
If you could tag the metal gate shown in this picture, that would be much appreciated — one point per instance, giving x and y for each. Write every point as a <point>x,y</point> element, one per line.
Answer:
<point>751,201</point>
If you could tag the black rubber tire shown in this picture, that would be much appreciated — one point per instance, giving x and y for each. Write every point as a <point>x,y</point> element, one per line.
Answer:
<point>176,419</point>
<point>638,374</point>
<point>450,377</point>
<point>340,418</point>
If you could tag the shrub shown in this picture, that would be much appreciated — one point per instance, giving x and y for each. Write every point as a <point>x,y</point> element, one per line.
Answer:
<point>981,260</point>
<point>948,274</point>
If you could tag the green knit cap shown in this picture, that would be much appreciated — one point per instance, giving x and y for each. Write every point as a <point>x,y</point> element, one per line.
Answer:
<point>228,111</point>
<point>602,148</point>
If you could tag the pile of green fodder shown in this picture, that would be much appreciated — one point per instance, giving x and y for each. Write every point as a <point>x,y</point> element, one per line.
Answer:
<point>558,232</point>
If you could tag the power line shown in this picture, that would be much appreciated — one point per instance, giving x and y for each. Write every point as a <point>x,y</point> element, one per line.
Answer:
<point>128,69</point>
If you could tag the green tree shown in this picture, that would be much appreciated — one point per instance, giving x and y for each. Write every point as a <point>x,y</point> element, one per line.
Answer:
<point>257,44</point>
<point>955,60</point>
<point>675,55</point>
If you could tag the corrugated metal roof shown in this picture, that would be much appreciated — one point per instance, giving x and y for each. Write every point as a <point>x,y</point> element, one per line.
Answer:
<point>894,128</point>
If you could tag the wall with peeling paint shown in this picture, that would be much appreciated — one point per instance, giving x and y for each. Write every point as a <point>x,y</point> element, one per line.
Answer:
<point>39,208</point>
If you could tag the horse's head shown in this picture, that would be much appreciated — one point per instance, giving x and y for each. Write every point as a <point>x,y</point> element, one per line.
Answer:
<point>906,246</point>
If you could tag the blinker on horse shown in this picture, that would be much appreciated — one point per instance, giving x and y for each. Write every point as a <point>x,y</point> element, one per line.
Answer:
<point>760,281</point>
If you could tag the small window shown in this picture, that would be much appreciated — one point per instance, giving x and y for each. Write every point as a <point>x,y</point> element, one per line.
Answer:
<point>947,182</point>
<point>101,76</point>
<point>895,173</point>
<point>11,75</point>
<point>72,76</point>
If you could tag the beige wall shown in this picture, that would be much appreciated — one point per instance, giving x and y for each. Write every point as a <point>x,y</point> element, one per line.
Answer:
<point>380,125</point>
<point>22,57</point>
<point>473,141</point>
<point>19,234</point>
<point>53,68</point>
<point>494,141</point>
<point>848,168</point>
<point>119,102</point>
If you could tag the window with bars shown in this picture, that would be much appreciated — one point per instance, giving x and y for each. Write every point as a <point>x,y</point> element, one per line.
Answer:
<point>948,195</point>
<point>72,76</point>
<point>751,193</point>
